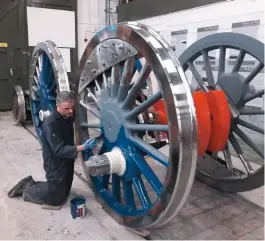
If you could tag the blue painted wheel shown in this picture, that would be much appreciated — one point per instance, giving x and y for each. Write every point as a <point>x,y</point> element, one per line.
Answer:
<point>48,76</point>
<point>156,183</point>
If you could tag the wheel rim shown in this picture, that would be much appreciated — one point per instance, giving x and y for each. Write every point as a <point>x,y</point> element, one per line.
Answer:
<point>115,112</point>
<point>237,88</point>
<point>48,76</point>
<point>19,110</point>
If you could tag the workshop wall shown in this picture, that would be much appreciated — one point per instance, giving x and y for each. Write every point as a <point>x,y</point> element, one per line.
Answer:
<point>181,29</point>
<point>91,17</point>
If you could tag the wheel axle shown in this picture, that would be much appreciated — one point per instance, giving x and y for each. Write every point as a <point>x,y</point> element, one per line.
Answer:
<point>112,162</point>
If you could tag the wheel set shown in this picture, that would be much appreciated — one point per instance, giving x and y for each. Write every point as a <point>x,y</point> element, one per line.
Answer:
<point>163,120</point>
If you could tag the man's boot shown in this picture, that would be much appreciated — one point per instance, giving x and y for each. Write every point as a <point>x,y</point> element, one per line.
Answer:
<point>17,190</point>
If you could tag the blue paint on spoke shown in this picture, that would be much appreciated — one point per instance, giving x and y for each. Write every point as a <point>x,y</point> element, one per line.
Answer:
<point>138,66</point>
<point>142,193</point>
<point>116,187</point>
<point>150,150</point>
<point>148,173</point>
<point>49,78</point>
<point>128,194</point>
<point>52,87</point>
<point>105,181</point>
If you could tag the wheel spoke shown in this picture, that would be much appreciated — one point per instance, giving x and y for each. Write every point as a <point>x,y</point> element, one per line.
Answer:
<point>90,125</point>
<point>52,87</point>
<point>36,90</point>
<point>36,81</point>
<point>51,98</point>
<point>97,85</point>
<point>141,192</point>
<point>126,78</point>
<point>108,78</point>
<point>147,127</point>
<point>239,152</point>
<point>128,194</point>
<point>92,94</point>
<point>228,159</point>
<point>239,61</point>
<point>208,68</point>
<point>150,150</point>
<point>253,73</point>
<point>149,174</point>
<point>251,112</point>
<point>250,126</point>
<point>137,86</point>
<point>40,60</point>
<point>38,73</point>
<point>197,76</point>
<point>221,68</point>
<point>144,105</point>
<point>49,77</point>
<point>105,181</point>
<point>115,80</point>
<point>36,112</point>
<point>252,97</point>
<point>91,109</point>
<point>105,81</point>
<point>116,187</point>
<point>248,141</point>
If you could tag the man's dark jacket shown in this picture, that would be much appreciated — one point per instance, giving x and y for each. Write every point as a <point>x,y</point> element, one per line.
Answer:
<point>58,150</point>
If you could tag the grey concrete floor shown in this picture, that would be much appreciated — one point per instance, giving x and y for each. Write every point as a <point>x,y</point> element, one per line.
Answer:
<point>207,215</point>
<point>21,156</point>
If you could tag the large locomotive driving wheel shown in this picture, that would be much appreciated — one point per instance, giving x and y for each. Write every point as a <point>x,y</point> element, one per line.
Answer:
<point>48,76</point>
<point>133,190</point>
<point>221,169</point>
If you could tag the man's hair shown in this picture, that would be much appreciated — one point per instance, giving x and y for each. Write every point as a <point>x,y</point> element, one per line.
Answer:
<point>64,96</point>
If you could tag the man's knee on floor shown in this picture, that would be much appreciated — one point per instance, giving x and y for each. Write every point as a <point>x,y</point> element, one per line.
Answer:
<point>44,194</point>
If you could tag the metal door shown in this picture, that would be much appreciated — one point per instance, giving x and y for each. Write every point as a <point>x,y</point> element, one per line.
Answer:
<point>6,79</point>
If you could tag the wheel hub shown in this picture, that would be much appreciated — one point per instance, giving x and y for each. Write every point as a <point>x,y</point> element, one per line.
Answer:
<point>111,121</point>
<point>44,114</point>
<point>234,87</point>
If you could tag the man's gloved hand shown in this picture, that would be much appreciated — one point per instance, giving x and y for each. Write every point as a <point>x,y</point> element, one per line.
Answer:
<point>90,144</point>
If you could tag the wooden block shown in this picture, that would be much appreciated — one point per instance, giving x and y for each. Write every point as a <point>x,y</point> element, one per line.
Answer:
<point>143,233</point>
<point>50,207</point>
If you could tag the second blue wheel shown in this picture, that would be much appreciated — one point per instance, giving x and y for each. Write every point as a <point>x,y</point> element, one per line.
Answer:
<point>48,76</point>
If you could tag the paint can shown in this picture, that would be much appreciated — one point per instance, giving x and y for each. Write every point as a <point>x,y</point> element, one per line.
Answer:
<point>78,207</point>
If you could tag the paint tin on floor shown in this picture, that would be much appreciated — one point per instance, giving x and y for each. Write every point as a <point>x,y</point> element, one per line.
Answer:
<point>78,207</point>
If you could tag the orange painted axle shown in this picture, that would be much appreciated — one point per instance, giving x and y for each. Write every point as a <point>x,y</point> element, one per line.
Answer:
<point>213,119</point>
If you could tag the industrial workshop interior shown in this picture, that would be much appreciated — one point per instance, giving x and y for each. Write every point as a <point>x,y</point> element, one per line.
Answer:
<point>132,120</point>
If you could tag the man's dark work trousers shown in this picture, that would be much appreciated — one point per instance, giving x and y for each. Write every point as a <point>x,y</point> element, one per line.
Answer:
<point>59,154</point>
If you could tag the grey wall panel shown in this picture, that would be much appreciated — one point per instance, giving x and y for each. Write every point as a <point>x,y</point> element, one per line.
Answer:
<point>140,9</point>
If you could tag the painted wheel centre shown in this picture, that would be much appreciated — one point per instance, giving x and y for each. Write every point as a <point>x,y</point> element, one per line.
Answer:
<point>115,135</point>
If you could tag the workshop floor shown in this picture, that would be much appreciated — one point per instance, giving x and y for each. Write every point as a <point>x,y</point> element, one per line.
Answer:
<point>21,156</point>
<point>207,215</point>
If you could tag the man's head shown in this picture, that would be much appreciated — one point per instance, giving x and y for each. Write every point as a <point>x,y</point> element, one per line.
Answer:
<point>65,104</point>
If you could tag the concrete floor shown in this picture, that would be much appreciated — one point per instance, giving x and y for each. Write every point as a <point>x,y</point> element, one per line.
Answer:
<point>22,220</point>
<point>207,215</point>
